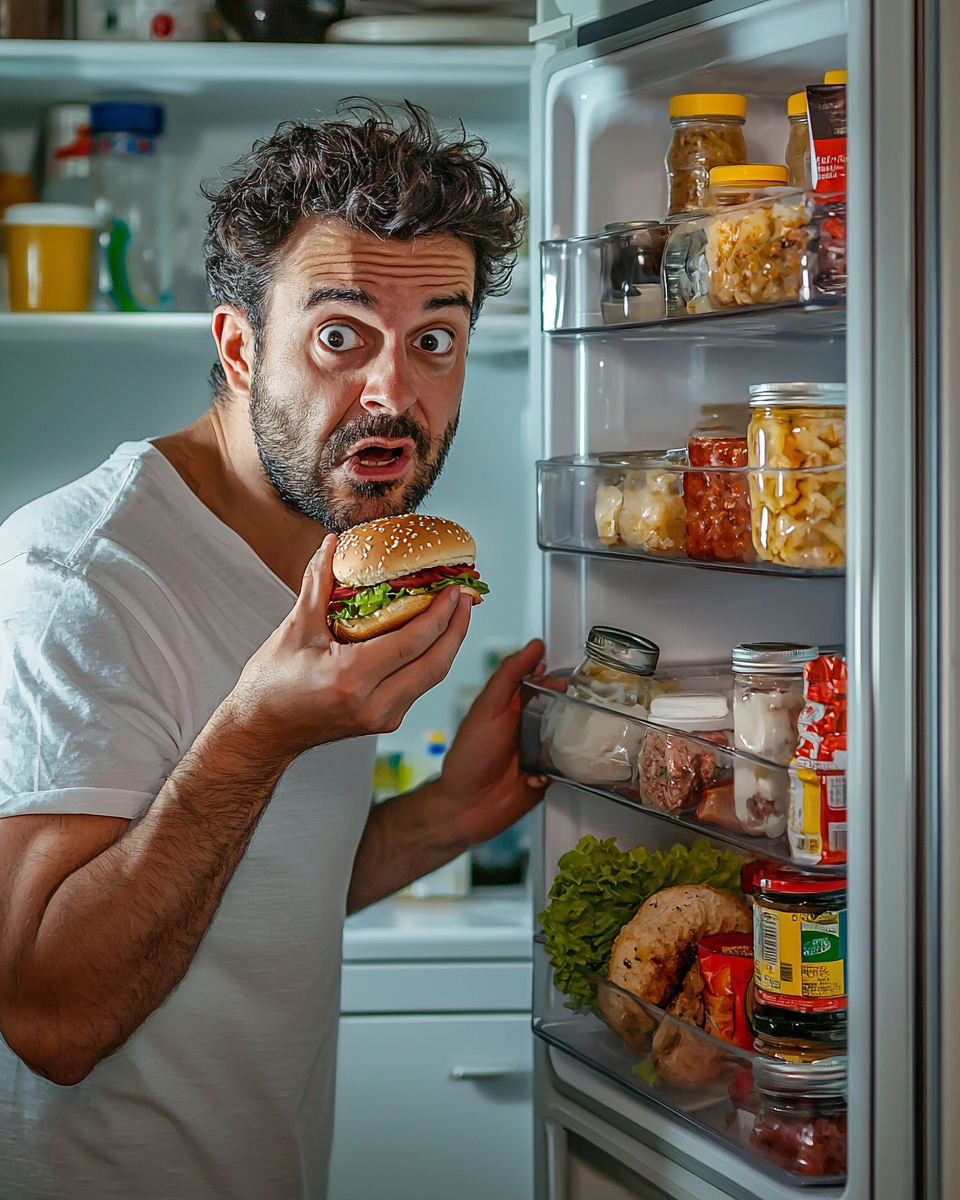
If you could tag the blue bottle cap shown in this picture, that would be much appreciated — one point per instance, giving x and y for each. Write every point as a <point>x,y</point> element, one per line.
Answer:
<point>126,117</point>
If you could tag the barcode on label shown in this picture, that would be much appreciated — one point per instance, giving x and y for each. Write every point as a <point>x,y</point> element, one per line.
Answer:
<point>769,939</point>
<point>786,972</point>
<point>838,836</point>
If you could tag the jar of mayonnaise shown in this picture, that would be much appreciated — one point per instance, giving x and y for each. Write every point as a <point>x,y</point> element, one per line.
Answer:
<point>767,700</point>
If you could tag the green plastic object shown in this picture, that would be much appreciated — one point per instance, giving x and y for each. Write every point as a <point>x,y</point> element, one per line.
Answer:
<point>120,291</point>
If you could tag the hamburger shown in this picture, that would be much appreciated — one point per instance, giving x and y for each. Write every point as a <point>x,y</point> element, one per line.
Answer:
<point>390,570</point>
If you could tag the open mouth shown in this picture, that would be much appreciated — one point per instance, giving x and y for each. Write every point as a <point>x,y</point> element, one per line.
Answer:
<point>379,458</point>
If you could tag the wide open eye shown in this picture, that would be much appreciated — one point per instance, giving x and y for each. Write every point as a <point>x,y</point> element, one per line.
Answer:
<point>340,337</point>
<point>435,341</point>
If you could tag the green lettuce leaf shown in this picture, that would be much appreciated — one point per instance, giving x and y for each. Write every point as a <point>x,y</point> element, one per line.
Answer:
<point>600,887</point>
<point>371,600</point>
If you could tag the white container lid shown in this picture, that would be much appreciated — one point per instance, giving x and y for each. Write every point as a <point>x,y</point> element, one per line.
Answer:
<point>691,713</point>
<point>51,214</point>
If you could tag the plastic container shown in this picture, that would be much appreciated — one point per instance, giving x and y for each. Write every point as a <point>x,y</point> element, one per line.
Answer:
<point>799,949</point>
<point>751,249</point>
<point>674,770</point>
<point>718,502</point>
<point>49,257</point>
<point>130,199</point>
<point>640,503</point>
<point>707,133</point>
<point>800,519</point>
<point>631,255</point>
<point>67,159</point>
<point>767,699</point>
<point>801,1123</point>
<point>797,155</point>
<point>570,275</point>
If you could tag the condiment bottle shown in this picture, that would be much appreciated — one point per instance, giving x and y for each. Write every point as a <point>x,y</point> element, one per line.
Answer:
<point>797,156</point>
<point>616,669</point>
<point>801,1124</point>
<point>707,132</point>
<point>767,699</point>
<point>799,947</point>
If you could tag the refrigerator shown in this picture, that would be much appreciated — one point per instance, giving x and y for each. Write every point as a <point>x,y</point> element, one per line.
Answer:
<point>600,90</point>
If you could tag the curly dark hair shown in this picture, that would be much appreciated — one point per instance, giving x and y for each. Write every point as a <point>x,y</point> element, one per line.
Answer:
<point>393,175</point>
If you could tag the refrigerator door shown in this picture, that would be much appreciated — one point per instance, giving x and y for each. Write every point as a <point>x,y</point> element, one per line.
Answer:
<point>600,132</point>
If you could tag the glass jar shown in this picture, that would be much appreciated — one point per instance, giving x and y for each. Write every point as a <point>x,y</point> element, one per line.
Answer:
<point>829,244</point>
<point>718,502</point>
<point>631,255</point>
<point>799,947</point>
<point>640,505</point>
<point>600,748</point>
<point>797,156</point>
<point>798,441</point>
<point>676,770</point>
<point>751,248</point>
<point>801,1122</point>
<point>129,197</point>
<point>767,700</point>
<point>707,133</point>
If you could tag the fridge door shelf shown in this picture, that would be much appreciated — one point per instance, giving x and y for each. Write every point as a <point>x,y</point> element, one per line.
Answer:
<point>675,1067</point>
<point>682,778</point>
<point>634,506</point>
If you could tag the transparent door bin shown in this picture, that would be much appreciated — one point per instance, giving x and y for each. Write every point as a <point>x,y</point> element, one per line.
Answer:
<point>652,505</point>
<point>688,778</point>
<point>697,1079</point>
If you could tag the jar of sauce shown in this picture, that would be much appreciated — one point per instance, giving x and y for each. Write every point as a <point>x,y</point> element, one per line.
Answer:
<point>801,1122</point>
<point>799,950</point>
<point>718,502</point>
<point>707,133</point>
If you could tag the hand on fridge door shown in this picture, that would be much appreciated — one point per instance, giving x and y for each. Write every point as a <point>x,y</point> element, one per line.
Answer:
<point>480,793</point>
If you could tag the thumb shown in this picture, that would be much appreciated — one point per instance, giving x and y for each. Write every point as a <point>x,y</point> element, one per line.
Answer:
<point>310,611</point>
<point>503,683</point>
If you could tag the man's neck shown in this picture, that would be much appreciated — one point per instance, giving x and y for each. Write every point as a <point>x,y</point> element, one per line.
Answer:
<point>222,468</point>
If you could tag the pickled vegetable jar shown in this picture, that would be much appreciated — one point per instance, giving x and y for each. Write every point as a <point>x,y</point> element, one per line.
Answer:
<point>797,156</point>
<point>718,502</point>
<point>767,699</point>
<point>640,505</point>
<point>797,441</point>
<point>752,248</point>
<point>801,1124</point>
<point>707,133</point>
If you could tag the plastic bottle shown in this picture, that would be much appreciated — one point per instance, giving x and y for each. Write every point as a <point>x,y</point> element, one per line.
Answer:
<point>129,196</point>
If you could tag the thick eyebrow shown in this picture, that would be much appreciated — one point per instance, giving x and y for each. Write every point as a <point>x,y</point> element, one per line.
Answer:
<point>457,300</point>
<point>344,295</point>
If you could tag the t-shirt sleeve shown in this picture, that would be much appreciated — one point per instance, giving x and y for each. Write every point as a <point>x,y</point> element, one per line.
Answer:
<point>88,706</point>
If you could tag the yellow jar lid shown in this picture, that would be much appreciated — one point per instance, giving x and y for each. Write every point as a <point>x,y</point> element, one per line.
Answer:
<point>835,77</point>
<point>708,104</point>
<point>797,104</point>
<point>759,174</point>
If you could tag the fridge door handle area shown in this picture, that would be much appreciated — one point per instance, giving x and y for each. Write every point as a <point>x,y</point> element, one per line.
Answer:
<point>489,1072</point>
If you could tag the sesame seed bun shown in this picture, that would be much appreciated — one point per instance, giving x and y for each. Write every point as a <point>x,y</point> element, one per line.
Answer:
<point>385,549</point>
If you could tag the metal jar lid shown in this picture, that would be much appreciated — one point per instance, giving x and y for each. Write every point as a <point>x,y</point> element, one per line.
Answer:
<point>816,395</point>
<point>622,650</point>
<point>773,658</point>
<point>825,1077</point>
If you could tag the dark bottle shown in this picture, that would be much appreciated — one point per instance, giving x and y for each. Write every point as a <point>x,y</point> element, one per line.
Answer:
<point>280,20</point>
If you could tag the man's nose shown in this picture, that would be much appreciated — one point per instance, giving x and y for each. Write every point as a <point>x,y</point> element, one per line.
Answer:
<point>390,386</point>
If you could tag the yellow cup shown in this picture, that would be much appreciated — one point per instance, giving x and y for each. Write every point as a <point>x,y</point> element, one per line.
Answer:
<point>50,257</point>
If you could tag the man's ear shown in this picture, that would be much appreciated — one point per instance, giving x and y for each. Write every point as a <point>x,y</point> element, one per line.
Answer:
<point>234,337</point>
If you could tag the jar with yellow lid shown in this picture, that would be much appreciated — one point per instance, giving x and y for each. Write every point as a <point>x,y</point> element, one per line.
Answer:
<point>835,77</point>
<point>707,133</point>
<point>797,156</point>
<point>752,247</point>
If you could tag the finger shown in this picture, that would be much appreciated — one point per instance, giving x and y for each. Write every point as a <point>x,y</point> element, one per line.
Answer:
<point>310,610</point>
<point>503,683</point>
<point>390,651</point>
<point>537,781</point>
<point>395,695</point>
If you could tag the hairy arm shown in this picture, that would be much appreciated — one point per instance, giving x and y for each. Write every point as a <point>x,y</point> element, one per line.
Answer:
<point>99,921</point>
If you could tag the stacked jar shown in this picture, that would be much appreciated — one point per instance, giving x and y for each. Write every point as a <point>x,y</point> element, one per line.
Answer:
<point>797,442</point>
<point>801,1122</point>
<point>707,133</point>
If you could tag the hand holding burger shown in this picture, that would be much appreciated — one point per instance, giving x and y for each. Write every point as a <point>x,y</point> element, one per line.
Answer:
<point>390,570</point>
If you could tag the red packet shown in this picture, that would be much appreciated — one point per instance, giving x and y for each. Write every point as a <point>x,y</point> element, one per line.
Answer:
<point>726,965</point>
<point>827,118</point>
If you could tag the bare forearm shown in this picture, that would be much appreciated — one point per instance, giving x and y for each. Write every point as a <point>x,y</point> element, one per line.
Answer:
<point>119,933</point>
<point>405,838</point>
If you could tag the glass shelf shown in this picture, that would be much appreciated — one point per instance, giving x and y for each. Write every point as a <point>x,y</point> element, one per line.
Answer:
<point>665,1062</point>
<point>582,509</point>
<point>820,318</point>
<point>681,778</point>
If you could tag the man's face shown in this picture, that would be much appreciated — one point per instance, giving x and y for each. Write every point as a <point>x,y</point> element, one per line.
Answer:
<point>356,385</point>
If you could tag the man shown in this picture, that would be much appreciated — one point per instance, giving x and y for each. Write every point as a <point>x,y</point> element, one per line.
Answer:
<point>186,762</point>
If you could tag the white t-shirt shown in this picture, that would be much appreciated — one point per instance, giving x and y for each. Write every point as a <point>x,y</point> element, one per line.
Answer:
<point>127,611</point>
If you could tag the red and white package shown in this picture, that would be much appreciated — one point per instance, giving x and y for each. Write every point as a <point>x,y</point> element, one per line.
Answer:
<point>827,118</point>
<point>726,967</point>
<point>817,825</point>
<point>822,724</point>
